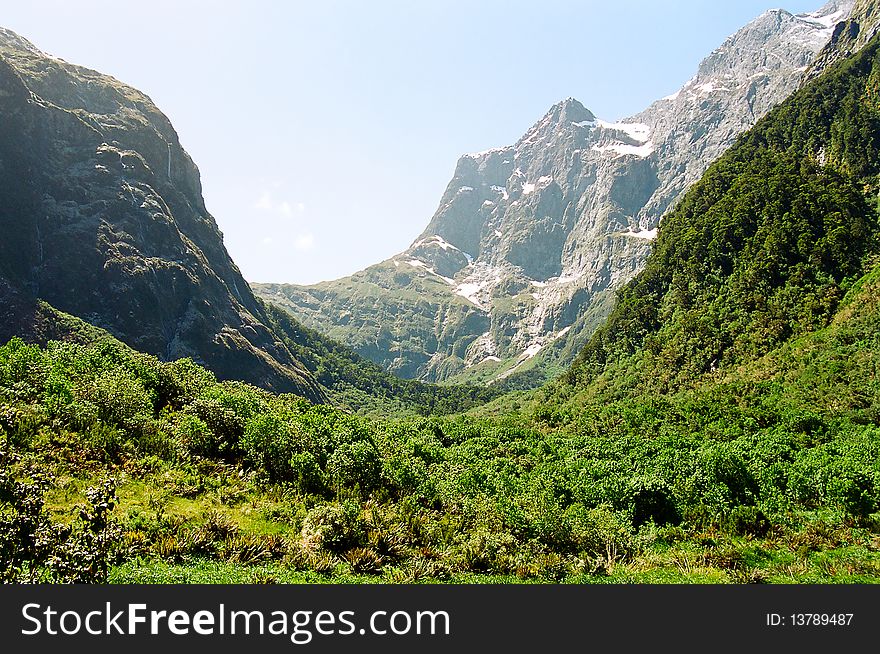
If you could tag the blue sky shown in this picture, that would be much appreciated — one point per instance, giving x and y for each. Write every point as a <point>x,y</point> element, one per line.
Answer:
<point>326,131</point>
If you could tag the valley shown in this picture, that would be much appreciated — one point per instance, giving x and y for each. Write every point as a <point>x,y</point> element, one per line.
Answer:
<point>659,345</point>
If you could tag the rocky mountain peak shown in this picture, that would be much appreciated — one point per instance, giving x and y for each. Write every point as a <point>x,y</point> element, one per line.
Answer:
<point>530,241</point>
<point>11,40</point>
<point>560,117</point>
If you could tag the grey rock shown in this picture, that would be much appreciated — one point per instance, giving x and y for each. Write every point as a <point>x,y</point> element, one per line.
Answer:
<point>520,262</point>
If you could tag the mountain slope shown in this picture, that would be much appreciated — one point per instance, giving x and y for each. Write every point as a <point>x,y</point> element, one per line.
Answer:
<point>761,250</point>
<point>103,218</point>
<point>105,234</point>
<point>849,37</point>
<point>520,262</point>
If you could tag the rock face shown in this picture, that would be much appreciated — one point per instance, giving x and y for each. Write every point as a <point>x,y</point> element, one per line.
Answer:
<point>849,36</point>
<point>520,262</point>
<point>102,217</point>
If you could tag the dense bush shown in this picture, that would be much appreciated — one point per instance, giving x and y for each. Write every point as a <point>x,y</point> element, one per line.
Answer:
<point>35,549</point>
<point>417,497</point>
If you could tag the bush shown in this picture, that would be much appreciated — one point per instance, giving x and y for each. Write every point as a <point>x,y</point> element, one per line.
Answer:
<point>271,443</point>
<point>118,396</point>
<point>335,527</point>
<point>355,465</point>
<point>651,500</point>
<point>194,435</point>
<point>34,549</point>
<point>225,428</point>
<point>305,473</point>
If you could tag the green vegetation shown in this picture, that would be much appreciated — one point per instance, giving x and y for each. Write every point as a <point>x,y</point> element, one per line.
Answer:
<point>724,425</point>
<point>222,481</point>
<point>365,312</point>
<point>359,384</point>
<point>761,249</point>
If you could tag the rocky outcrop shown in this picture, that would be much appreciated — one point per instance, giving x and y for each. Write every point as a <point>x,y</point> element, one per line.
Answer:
<point>103,218</point>
<point>849,37</point>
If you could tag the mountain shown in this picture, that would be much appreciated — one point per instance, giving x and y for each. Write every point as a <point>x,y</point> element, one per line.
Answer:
<point>106,235</point>
<point>721,426</point>
<point>849,37</point>
<point>520,262</point>
<point>103,218</point>
<point>774,252</point>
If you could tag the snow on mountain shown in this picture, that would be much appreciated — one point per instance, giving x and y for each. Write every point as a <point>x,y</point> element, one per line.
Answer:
<point>536,236</point>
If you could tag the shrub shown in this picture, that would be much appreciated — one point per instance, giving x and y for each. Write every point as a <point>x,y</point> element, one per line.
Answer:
<point>305,473</point>
<point>194,435</point>
<point>651,499</point>
<point>118,396</point>
<point>355,465</point>
<point>335,527</point>
<point>34,549</point>
<point>225,427</point>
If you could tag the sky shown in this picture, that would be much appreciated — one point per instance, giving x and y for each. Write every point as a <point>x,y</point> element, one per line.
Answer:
<point>327,130</point>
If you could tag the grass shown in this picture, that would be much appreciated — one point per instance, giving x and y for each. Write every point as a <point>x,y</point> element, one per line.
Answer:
<point>818,550</point>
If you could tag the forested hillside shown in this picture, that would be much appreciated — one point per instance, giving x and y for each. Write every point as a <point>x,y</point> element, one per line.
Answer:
<point>762,249</point>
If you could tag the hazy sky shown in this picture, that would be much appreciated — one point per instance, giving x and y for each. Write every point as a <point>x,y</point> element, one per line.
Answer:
<point>326,131</point>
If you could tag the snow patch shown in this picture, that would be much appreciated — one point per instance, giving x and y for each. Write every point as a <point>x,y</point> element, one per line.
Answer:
<point>636,131</point>
<point>541,183</point>
<point>443,244</point>
<point>501,190</point>
<point>439,241</point>
<point>569,278</point>
<point>479,155</point>
<point>709,87</point>
<point>415,263</point>
<point>645,234</point>
<point>828,21</point>
<point>623,149</point>
<point>477,286</point>
<point>471,291</point>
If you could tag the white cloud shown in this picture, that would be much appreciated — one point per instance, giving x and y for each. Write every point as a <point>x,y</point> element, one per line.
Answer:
<point>304,242</point>
<point>282,207</point>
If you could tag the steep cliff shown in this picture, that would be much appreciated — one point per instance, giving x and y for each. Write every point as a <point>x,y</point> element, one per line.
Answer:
<point>102,217</point>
